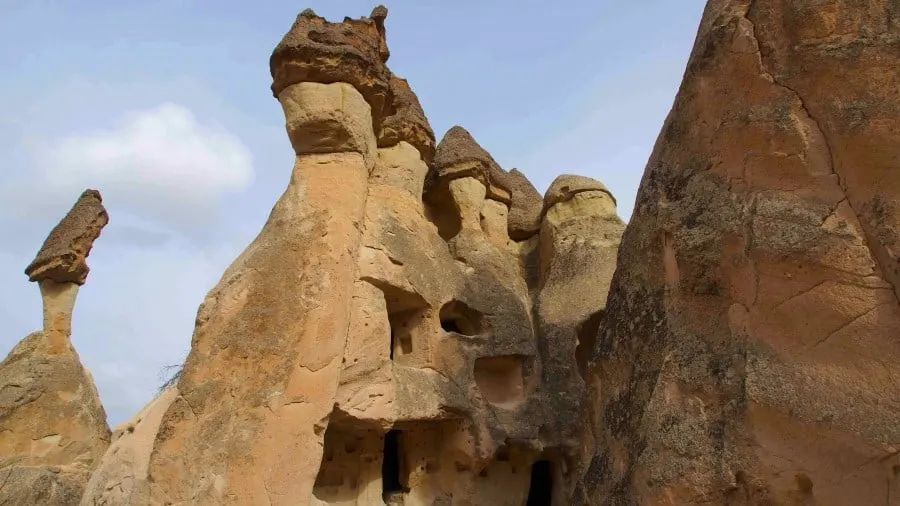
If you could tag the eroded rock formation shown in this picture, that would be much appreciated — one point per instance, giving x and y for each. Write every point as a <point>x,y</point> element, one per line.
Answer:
<point>415,325</point>
<point>750,353</point>
<point>391,335</point>
<point>52,426</point>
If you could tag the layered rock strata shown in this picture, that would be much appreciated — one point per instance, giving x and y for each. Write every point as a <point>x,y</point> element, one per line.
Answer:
<point>749,353</point>
<point>52,426</point>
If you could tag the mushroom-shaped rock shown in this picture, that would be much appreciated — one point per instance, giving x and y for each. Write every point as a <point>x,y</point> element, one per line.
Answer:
<point>458,155</point>
<point>52,425</point>
<point>567,186</point>
<point>353,51</point>
<point>408,123</point>
<point>525,210</point>
<point>63,256</point>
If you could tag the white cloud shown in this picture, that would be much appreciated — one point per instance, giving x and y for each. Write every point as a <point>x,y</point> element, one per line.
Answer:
<point>161,164</point>
<point>164,174</point>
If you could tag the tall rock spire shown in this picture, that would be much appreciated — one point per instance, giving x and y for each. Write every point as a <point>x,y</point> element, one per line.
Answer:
<point>53,427</point>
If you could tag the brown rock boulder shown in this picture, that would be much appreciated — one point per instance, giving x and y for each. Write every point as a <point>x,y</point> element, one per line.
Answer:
<point>525,208</point>
<point>353,51</point>
<point>749,353</point>
<point>62,257</point>
<point>408,123</point>
<point>459,155</point>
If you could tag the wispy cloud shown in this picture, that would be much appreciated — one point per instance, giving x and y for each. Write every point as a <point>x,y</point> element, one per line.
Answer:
<point>161,164</point>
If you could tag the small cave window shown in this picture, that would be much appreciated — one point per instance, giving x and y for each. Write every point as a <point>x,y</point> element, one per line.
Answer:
<point>401,332</point>
<point>587,338</point>
<point>391,485</point>
<point>456,317</point>
<point>540,492</point>
<point>405,312</point>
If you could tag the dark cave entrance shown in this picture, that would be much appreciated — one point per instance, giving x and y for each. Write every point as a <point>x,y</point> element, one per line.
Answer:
<point>390,466</point>
<point>458,318</point>
<point>540,493</point>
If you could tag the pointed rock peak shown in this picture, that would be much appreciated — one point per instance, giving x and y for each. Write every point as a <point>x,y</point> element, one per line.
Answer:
<point>567,186</point>
<point>408,123</point>
<point>459,155</point>
<point>458,146</point>
<point>353,51</point>
<point>63,256</point>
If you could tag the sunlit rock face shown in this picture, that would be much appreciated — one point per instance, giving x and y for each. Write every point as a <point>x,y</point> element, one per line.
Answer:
<point>53,428</point>
<point>415,325</point>
<point>381,340</point>
<point>749,353</point>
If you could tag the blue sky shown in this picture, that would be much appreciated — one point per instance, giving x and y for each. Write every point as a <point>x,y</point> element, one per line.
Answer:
<point>165,107</point>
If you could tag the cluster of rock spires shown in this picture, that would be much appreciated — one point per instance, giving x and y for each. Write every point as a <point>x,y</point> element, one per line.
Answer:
<point>415,325</point>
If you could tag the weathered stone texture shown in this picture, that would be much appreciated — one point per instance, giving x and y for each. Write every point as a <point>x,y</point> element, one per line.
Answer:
<point>566,186</point>
<point>415,325</point>
<point>328,118</point>
<point>121,475</point>
<point>408,123</point>
<point>353,52</point>
<point>266,356</point>
<point>383,317</point>
<point>749,351</point>
<point>63,256</point>
<point>525,208</point>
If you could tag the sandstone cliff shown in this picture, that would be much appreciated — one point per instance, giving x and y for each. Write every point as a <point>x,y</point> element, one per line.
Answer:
<point>750,353</point>
<point>52,426</point>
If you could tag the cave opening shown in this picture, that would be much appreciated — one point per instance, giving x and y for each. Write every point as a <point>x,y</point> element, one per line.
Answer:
<point>390,466</point>
<point>458,318</point>
<point>540,492</point>
<point>405,312</point>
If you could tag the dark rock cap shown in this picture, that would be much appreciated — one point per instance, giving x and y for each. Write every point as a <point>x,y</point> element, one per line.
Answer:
<point>353,51</point>
<point>63,256</point>
<point>458,155</point>
<point>408,123</point>
<point>566,186</point>
<point>458,147</point>
<point>524,218</point>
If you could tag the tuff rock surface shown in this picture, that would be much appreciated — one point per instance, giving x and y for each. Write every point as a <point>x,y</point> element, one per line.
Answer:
<point>750,351</point>
<point>63,256</point>
<point>381,340</point>
<point>52,425</point>
<point>415,325</point>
